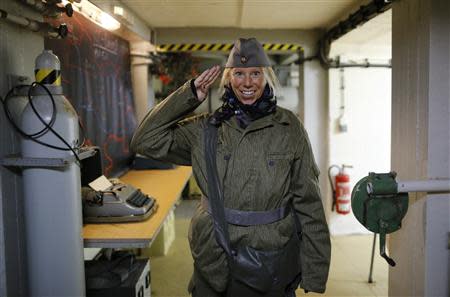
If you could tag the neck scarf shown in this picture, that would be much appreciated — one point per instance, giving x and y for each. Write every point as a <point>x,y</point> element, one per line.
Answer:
<point>244,113</point>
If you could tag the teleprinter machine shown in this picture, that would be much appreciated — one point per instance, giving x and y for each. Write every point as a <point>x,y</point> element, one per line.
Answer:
<point>110,200</point>
<point>117,203</point>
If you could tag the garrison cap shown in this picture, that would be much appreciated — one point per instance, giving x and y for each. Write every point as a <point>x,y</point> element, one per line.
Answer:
<point>247,53</point>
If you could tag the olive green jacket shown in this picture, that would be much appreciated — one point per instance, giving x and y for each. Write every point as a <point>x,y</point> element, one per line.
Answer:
<point>261,168</point>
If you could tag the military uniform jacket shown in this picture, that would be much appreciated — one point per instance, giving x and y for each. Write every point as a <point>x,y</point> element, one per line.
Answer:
<point>262,167</point>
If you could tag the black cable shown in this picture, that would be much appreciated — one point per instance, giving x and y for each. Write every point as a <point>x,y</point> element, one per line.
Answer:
<point>33,85</point>
<point>10,118</point>
<point>47,126</point>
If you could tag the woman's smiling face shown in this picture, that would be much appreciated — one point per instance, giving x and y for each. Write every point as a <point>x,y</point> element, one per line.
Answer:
<point>247,83</point>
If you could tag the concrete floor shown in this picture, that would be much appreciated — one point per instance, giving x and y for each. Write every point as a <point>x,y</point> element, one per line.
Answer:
<point>348,273</point>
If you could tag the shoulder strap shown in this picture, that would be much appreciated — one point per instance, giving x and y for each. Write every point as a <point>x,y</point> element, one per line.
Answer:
<point>215,195</point>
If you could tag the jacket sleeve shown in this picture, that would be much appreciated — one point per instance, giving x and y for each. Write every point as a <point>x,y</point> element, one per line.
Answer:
<point>315,247</point>
<point>163,134</point>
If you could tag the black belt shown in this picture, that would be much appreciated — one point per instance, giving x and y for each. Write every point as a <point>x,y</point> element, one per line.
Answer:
<point>250,218</point>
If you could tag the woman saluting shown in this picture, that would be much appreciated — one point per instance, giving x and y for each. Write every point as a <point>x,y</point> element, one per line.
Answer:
<point>260,229</point>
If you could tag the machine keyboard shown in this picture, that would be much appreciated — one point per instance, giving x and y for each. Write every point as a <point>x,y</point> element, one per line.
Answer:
<point>138,199</point>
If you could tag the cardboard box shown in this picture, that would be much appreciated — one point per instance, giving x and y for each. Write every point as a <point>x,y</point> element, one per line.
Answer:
<point>137,284</point>
<point>164,239</point>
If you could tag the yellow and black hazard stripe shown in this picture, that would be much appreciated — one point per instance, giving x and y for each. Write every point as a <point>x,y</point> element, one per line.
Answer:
<point>282,47</point>
<point>48,76</point>
<point>223,47</point>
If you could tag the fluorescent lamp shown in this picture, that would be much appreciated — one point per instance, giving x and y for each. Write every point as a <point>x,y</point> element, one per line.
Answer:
<point>95,14</point>
<point>108,22</point>
<point>118,10</point>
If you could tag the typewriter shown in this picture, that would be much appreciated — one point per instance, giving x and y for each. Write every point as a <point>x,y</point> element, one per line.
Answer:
<point>116,204</point>
<point>110,200</point>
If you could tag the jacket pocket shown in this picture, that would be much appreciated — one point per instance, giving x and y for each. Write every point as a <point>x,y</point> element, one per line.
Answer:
<point>278,165</point>
<point>279,160</point>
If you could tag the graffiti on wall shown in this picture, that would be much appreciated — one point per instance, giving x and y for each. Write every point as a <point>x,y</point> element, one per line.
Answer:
<point>96,79</point>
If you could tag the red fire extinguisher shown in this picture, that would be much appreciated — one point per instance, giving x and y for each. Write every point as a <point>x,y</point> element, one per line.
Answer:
<point>341,189</point>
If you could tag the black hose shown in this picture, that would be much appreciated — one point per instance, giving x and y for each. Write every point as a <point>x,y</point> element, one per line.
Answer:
<point>33,85</point>
<point>47,126</point>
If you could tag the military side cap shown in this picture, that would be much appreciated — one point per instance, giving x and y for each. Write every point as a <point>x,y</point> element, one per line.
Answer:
<point>247,53</point>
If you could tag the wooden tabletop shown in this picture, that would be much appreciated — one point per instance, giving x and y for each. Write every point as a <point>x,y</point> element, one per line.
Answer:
<point>163,185</point>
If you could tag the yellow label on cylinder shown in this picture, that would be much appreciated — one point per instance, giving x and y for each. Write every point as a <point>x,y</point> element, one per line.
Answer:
<point>48,76</point>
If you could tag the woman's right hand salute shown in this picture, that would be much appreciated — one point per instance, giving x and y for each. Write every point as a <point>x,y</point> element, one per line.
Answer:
<point>205,80</point>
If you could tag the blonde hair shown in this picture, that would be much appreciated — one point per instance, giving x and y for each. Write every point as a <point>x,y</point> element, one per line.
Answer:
<point>269,77</point>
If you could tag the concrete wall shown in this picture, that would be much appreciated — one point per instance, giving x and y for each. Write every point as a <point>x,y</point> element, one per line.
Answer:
<point>313,89</point>
<point>421,143</point>
<point>315,110</point>
<point>367,143</point>
<point>18,49</point>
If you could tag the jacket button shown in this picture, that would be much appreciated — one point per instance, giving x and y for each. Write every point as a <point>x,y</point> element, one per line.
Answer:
<point>227,157</point>
<point>271,162</point>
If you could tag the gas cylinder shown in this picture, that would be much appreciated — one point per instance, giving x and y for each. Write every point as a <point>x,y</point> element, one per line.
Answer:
<point>52,196</point>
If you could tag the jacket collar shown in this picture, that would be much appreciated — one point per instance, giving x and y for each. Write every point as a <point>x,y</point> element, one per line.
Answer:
<point>279,117</point>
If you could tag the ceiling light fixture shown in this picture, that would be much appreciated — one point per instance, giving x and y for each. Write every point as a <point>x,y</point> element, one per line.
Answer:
<point>95,14</point>
<point>118,10</point>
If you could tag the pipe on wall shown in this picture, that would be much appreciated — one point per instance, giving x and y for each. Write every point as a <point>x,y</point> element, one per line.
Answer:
<point>21,21</point>
<point>140,60</point>
<point>359,17</point>
<point>35,26</point>
<point>50,8</point>
<point>336,63</point>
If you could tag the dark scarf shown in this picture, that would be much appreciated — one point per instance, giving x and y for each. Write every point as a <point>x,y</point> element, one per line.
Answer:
<point>245,114</point>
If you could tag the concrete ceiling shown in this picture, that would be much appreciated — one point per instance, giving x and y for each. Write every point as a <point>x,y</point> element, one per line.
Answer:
<point>371,40</point>
<point>245,14</point>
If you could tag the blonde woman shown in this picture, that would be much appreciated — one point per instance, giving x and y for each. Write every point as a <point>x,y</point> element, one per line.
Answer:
<point>260,229</point>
